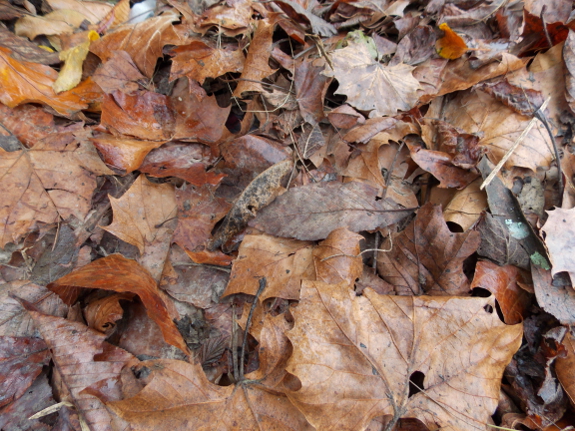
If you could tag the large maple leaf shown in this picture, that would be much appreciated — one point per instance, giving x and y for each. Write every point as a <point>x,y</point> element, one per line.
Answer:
<point>370,85</point>
<point>357,357</point>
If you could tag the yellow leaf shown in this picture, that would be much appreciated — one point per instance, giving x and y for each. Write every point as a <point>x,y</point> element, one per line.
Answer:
<point>71,73</point>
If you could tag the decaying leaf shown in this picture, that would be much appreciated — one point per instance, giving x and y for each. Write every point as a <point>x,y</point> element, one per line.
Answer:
<point>371,86</point>
<point>259,193</point>
<point>311,212</point>
<point>119,274</point>
<point>427,257</point>
<point>357,356</point>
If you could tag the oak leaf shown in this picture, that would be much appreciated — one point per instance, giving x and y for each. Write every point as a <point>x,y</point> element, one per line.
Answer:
<point>427,257</point>
<point>357,356</point>
<point>371,86</point>
<point>560,237</point>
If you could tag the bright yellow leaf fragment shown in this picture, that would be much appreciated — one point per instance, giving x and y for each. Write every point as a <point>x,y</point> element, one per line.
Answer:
<point>71,73</point>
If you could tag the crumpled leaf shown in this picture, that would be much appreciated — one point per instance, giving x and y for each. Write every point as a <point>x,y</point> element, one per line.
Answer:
<point>296,11</point>
<point>199,60</point>
<point>25,82</point>
<point>142,41</point>
<point>371,86</point>
<point>118,274</point>
<point>55,23</point>
<point>311,212</point>
<point>427,258</point>
<point>103,313</point>
<point>356,356</point>
<point>559,236</point>
<point>74,349</point>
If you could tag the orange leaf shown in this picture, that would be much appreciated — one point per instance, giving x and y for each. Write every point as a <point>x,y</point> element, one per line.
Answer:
<point>450,46</point>
<point>118,274</point>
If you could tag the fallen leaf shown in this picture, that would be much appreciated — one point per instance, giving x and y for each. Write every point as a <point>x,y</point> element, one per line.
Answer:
<point>103,313</point>
<point>355,357</point>
<point>257,195</point>
<point>427,258</point>
<point>199,118</point>
<point>441,166</point>
<point>558,301</point>
<point>82,358</point>
<point>24,50</point>
<point>71,73</point>
<point>94,11</point>
<point>119,73</point>
<point>502,282</point>
<point>145,115</point>
<point>310,212</point>
<point>53,24</point>
<point>145,217</point>
<point>256,65</point>
<point>565,366</point>
<point>298,13</point>
<point>118,274</point>
<point>25,82</point>
<point>558,239</point>
<point>200,60</point>
<point>283,263</point>
<point>451,45</point>
<point>310,86</point>
<point>142,41</point>
<point>124,154</point>
<point>466,206</point>
<point>337,259</point>
<point>21,361</point>
<point>371,86</point>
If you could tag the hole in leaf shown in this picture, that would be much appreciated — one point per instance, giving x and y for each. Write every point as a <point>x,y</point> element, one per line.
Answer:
<point>454,227</point>
<point>488,308</point>
<point>480,292</point>
<point>416,383</point>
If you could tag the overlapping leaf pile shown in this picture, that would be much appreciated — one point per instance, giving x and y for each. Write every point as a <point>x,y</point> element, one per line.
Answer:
<point>275,215</point>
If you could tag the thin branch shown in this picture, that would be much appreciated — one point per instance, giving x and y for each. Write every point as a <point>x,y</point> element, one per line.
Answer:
<point>263,283</point>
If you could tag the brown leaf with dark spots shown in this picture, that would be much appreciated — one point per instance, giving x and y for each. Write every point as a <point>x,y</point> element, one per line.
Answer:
<point>501,281</point>
<point>199,118</point>
<point>119,73</point>
<point>258,194</point>
<point>427,258</point>
<point>82,358</point>
<point>21,361</point>
<point>355,356</point>
<point>311,212</point>
<point>118,274</point>
<point>145,115</point>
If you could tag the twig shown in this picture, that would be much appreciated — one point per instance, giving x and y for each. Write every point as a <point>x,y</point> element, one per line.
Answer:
<point>263,283</point>
<point>541,117</point>
<point>514,146</point>
<point>234,343</point>
<point>367,250</point>
<point>549,41</point>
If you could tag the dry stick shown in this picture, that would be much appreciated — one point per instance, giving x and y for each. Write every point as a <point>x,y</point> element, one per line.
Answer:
<point>234,343</point>
<point>549,41</point>
<point>514,146</point>
<point>263,283</point>
<point>367,250</point>
<point>541,117</point>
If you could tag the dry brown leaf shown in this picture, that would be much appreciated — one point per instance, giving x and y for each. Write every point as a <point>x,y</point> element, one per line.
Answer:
<point>283,263</point>
<point>356,355</point>
<point>466,205</point>
<point>103,313</point>
<point>311,212</point>
<point>25,82</point>
<point>119,73</point>
<point>200,60</point>
<point>477,112</point>
<point>143,41</point>
<point>24,50</point>
<point>427,258</point>
<point>256,66</point>
<point>371,86</point>
<point>74,349</point>
<point>178,396</point>
<point>94,11</point>
<point>118,274</point>
<point>559,238</point>
<point>54,180</point>
<point>145,217</point>
<point>337,259</point>
<point>53,24</point>
<point>565,366</point>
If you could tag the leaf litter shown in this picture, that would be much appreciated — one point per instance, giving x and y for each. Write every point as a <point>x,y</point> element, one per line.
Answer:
<point>270,216</point>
